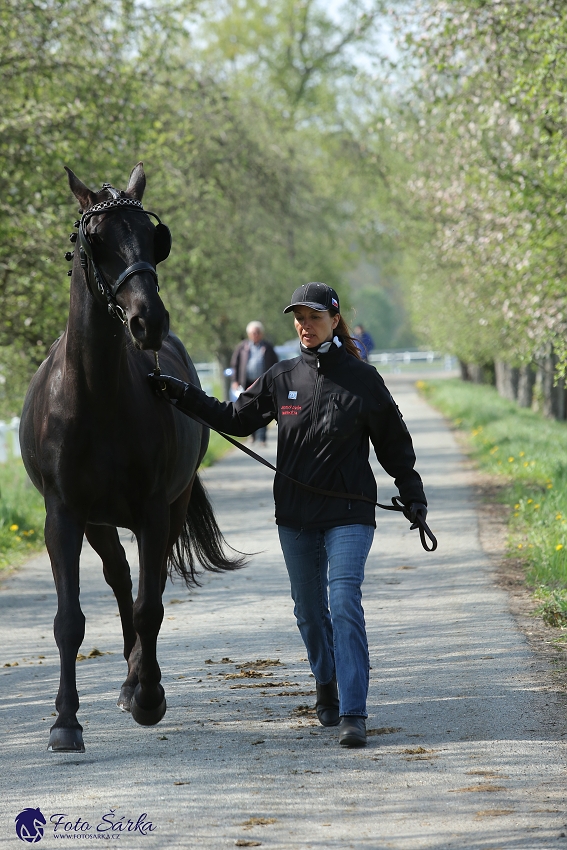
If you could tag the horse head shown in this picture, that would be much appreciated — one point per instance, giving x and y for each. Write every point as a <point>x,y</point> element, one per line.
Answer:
<point>120,248</point>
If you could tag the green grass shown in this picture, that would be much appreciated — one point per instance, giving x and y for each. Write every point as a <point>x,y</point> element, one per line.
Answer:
<point>218,447</point>
<point>529,453</point>
<point>22,514</point>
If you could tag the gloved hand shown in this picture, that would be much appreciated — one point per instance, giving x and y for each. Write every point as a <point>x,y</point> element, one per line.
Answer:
<point>417,509</point>
<point>171,387</point>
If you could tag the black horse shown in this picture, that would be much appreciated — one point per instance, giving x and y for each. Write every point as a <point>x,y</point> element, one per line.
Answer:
<point>105,452</point>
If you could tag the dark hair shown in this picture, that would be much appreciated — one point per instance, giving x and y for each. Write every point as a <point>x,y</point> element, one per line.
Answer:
<point>344,332</point>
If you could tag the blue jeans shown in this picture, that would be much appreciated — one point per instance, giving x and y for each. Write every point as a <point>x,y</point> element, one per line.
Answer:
<point>326,571</point>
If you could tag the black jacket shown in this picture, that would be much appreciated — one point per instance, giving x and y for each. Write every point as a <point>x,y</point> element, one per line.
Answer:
<point>327,407</point>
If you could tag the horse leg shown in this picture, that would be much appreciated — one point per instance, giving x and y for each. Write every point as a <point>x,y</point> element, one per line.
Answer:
<point>63,538</point>
<point>104,540</point>
<point>148,702</point>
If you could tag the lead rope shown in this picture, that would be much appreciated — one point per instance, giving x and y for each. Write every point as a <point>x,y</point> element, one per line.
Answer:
<point>397,504</point>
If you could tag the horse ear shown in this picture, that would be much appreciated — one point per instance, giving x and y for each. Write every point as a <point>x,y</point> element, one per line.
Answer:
<point>83,194</point>
<point>137,182</point>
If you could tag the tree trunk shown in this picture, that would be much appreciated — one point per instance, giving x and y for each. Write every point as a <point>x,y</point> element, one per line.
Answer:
<point>549,397</point>
<point>507,378</point>
<point>526,383</point>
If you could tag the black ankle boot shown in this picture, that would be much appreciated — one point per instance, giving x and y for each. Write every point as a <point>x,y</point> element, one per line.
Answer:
<point>352,732</point>
<point>327,705</point>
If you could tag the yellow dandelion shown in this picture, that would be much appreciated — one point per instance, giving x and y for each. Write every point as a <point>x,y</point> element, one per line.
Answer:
<point>536,507</point>
<point>522,454</point>
<point>510,460</point>
<point>559,547</point>
<point>14,527</point>
<point>520,545</point>
<point>526,463</point>
<point>550,486</point>
<point>517,507</point>
<point>516,514</point>
<point>559,516</point>
<point>494,450</point>
<point>420,384</point>
<point>19,539</point>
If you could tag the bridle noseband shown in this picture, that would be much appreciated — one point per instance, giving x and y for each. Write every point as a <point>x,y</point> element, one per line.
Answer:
<point>162,247</point>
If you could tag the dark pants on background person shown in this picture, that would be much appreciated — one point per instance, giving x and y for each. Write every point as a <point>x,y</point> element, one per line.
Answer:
<point>326,571</point>
<point>260,436</point>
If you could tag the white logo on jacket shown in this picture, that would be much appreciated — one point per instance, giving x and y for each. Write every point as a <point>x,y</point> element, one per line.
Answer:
<point>292,394</point>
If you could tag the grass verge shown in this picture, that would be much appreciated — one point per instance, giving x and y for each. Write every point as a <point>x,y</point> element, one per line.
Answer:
<point>217,449</point>
<point>22,514</point>
<point>529,453</point>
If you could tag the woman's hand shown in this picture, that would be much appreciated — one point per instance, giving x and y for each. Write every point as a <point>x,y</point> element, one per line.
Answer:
<point>417,509</point>
<point>170,387</point>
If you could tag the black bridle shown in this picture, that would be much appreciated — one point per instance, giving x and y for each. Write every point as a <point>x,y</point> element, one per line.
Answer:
<point>162,248</point>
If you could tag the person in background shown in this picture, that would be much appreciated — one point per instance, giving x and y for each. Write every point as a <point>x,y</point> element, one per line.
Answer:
<point>363,341</point>
<point>251,358</point>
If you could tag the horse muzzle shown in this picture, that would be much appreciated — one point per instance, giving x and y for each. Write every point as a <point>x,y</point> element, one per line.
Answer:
<point>147,330</point>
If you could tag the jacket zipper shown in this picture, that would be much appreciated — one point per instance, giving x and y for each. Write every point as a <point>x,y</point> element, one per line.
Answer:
<point>316,404</point>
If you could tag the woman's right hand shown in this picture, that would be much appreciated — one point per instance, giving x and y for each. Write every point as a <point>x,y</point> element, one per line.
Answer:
<point>172,388</point>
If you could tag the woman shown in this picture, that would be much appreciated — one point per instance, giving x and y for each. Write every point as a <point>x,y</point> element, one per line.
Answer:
<point>328,404</point>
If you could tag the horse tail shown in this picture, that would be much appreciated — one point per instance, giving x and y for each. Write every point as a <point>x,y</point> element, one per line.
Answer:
<point>201,540</point>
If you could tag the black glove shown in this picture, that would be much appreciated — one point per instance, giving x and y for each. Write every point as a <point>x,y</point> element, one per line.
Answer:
<point>171,388</point>
<point>417,509</point>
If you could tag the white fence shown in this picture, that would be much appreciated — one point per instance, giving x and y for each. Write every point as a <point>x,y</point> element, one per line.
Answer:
<point>9,439</point>
<point>396,360</point>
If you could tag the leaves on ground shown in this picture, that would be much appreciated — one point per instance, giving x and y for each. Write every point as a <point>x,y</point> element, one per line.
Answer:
<point>247,674</point>
<point>494,813</point>
<point>243,842</point>
<point>484,786</point>
<point>266,685</point>
<point>419,754</point>
<point>303,711</point>
<point>260,663</point>
<point>493,773</point>
<point>248,824</point>
<point>384,730</point>
<point>94,653</point>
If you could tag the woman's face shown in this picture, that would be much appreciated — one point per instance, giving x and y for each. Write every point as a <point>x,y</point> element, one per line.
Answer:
<point>314,326</point>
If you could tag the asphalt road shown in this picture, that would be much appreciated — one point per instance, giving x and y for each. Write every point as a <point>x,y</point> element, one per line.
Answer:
<point>467,740</point>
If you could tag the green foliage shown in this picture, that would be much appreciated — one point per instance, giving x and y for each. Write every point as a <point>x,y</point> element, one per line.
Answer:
<point>235,111</point>
<point>530,454</point>
<point>382,317</point>
<point>22,514</point>
<point>485,128</point>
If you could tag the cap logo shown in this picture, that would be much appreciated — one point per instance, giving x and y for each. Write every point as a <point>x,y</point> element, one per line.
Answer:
<point>335,303</point>
<point>292,394</point>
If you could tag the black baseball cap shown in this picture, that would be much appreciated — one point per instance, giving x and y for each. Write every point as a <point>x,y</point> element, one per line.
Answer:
<point>318,296</point>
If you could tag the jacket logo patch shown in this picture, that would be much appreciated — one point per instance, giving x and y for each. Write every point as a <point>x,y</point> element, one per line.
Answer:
<point>292,394</point>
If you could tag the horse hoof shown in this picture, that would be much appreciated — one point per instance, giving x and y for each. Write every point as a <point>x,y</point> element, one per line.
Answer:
<point>147,717</point>
<point>125,698</point>
<point>62,740</point>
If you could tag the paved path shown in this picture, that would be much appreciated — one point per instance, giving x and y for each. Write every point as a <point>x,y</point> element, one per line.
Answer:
<point>467,744</point>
